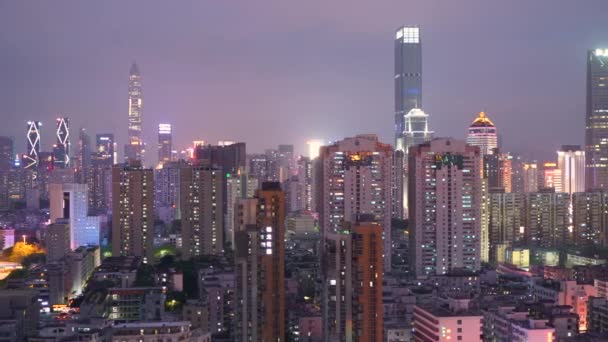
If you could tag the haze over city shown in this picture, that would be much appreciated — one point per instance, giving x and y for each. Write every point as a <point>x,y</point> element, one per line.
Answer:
<point>237,70</point>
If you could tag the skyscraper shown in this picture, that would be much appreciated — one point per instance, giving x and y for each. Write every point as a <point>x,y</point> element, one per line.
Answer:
<point>105,144</point>
<point>356,178</point>
<point>416,132</point>
<point>483,134</point>
<point>551,176</point>
<point>445,200</point>
<point>132,211</point>
<point>61,149</point>
<point>31,157</point>
<point>352,283</point>
<point>260,266</point>
<point>164,143</point>
<point>571,162</point>
<point>238,186</point>
<point>408,78</point>
<point>84,155</point>
<point>201,208</point>
<point>7,156</point>
<point>135,146</point>
<point>596,127</point>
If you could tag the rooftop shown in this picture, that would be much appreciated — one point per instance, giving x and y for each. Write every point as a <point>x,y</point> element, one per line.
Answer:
<point>482,121</point>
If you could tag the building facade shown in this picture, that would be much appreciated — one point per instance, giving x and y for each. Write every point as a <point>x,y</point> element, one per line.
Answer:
<point>132,211</point>
<point>445,205</point>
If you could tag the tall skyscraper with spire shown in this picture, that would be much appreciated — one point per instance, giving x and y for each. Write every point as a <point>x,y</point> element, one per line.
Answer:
<point>61,149</point>
<point>596,127</point>
<point>408,79</point>
<point>134,148</point>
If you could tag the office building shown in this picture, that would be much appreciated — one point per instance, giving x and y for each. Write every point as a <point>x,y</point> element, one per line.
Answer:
<point>355,177</point>
<point>530,177</point>
<point>546,218</point>
<point>83,156</point>
<point>132,211</point>
<point>260,266</point>
<point>416,132</point>
<point>445,206</point>
<point>31,157</point>
<point>7,153</point>
<point>590,219</point>
<point>352,283</point>
<point>134,148</point>
<point>201,210</point>
<point>57,240</point>
<point>497,169</point>
<point>571,163</point>
<point>483,134</point>
<point>551,177</point>
<point>70,201</point>
<point>106,146</point>
<point>61,149</point>
<point>596,120</point>
<point>165,144</point>
<point>408,78</point>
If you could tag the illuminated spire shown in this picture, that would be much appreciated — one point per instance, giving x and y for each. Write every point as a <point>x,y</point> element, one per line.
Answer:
<point>482,120</point>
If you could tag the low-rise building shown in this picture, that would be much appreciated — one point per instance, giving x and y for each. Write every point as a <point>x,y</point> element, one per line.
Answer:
<point>447,320</point>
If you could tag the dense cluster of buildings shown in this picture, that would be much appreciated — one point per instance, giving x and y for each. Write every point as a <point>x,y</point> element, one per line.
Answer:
<point>429,239</point>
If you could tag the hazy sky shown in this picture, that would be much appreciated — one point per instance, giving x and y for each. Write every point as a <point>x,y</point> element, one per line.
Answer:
<point>280,71</point>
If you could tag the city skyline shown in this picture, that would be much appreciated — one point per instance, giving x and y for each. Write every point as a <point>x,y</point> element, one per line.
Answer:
<point>192,86</point>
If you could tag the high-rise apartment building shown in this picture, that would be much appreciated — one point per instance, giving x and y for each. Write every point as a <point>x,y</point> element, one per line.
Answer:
<point>506,218</point>
<point>408,78</point>
<point>61,149</point>
<point>530,177</point>
<point>132,210</point>
<point>31,158</point>
<point>445,206</point>
<point>260,266</point>
<point>57,240</point>
<point>355,178</point>
<point>99,176</point>
<point>416,132</point>
<point>167,186</point>
<point>546,218</point>
<point>135,146</point>
<point>238,186</point>
<point>165,144</point>
<point>305,176</point>
<point>571,163</point>
<point>483,134</point>
<point>596,120</point>
<point>201,209</point>
<point>352,283</point>
<point>70,202</point>
<point>590,219</point>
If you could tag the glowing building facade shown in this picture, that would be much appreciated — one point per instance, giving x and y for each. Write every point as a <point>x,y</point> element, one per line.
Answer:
<point>135,146</point>
<point>61,149</point>
<point>164,143</point>
<point>31,158</point>
<point>596,127</point>
<point>408,78</point>
<point>571,163</point>
<point>483,134</point>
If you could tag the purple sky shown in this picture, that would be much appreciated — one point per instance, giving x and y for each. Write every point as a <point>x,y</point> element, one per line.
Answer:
<point>270,72</point>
